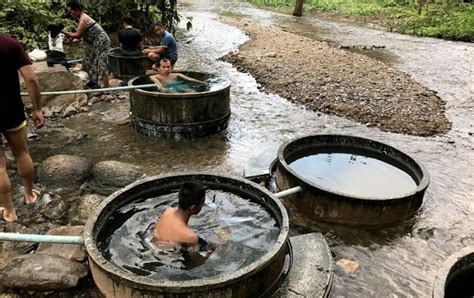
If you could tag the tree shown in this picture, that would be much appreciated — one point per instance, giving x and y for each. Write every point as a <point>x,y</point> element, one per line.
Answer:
<point>298,12</point>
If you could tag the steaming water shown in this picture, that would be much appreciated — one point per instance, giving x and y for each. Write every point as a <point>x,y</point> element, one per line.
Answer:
<point>354,174</point>
<point>238,231</point>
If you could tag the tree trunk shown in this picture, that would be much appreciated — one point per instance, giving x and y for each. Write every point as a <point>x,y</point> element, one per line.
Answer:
<point>298,12</point>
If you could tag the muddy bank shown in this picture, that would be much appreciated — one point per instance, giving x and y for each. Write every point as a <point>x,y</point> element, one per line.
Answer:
<point>338,82</point>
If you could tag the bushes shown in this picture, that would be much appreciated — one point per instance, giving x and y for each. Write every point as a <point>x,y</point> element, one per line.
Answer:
<point>449,19</point>
<point>27,20</point>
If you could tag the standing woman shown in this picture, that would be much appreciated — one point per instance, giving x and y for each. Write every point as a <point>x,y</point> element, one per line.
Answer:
<point>96,45</point>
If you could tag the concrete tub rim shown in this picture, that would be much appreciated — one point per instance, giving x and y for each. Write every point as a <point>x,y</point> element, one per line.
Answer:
<point>421,186</point>
<point>204,283</point>
<point>171,96</point>
<point>113,53</point>
<point>445,270</point>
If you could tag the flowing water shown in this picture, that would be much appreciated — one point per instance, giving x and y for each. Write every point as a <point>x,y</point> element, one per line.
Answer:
<point>233,227</point>
<point>398,260</point>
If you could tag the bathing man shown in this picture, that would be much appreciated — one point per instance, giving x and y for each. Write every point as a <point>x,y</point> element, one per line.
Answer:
<point>167,49</point>
<point>13,122</point>
<point>172,227</point>
<point>167,81</point>
<point>130,39</point>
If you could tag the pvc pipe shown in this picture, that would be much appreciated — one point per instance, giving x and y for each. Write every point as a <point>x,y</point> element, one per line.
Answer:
<point>94,90</point>
<point>288,192</point>
<point>41,238</point>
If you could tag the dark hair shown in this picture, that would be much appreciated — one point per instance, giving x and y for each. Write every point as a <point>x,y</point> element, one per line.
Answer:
<point>128,20</point>
<point>74,5</point>
<point>190,194</point>
<point>158,62</point>
<point>157,24</point>
<point>54,29</point>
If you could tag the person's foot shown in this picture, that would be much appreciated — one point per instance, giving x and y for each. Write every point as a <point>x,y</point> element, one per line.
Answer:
<point>31,198</point>
<point>8,216</point>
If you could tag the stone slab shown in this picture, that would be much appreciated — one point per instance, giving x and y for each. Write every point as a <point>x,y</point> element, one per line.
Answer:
<point>259,165</point>
<point>312,270</point>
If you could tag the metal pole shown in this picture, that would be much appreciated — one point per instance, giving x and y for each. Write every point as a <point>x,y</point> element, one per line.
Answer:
<point>288,192</point>
<point>41,238</point>
<point>94,90</point>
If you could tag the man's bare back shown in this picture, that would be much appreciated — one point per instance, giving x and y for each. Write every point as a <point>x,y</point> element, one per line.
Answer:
<point>172,230</point>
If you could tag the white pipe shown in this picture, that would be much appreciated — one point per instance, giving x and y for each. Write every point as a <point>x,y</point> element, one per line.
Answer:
<point>94,90</point>
<point>288,192</point>
<point>59,239</point>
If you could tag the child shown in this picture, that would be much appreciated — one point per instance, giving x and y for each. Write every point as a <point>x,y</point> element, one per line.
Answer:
<point>55,55</point>
<point>167,81</point>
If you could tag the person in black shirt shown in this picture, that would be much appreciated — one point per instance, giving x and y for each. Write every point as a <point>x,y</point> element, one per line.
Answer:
<point>130,39</point>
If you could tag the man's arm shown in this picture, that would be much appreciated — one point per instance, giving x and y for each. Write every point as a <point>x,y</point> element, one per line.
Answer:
<point>157,81</point>
<point>32,86</point>
<point>182,76</point>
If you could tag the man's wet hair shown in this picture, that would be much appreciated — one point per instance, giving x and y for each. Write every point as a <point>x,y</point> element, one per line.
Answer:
<point>157,63</point>
<point>55,29</point>
<point>190,194</point>
<point>128,20</point>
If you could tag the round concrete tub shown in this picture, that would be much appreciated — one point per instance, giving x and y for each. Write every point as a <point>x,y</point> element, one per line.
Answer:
<point>329,205</point>
<point>260,277</point>
<point>455,277</point>
<point>127,67</point>
<point>180,115</point>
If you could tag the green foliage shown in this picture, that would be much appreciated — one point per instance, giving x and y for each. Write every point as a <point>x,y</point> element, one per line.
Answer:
<point>449,19</point>
<point>27,20</point>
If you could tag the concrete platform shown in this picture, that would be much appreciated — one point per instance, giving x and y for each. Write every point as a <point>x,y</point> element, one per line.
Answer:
<point>258,166</point>
<point>312,270</point>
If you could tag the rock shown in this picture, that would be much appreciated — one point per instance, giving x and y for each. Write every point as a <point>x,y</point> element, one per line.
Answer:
<point>347,265</point>
<point>55,209</point>
<point>41,272</point>
<point>56,78</point>
<point>70,110</point>
<point>93,100</point>
<point>87,205</point>
<point>68,251</point>
<point>64,171</point>
<point>109,176</point>
<point>115,83</point>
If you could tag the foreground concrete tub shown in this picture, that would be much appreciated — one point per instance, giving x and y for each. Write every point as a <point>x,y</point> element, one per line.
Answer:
<point>180,115</point>
<point>250,281</point>
<point>455,277</point>
<point>330,205</point>
<point>127,67</point>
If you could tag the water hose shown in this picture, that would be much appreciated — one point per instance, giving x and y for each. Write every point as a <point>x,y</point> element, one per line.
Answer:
<point>288,192</point>
<point>58,239</point>
<point>94,90</point>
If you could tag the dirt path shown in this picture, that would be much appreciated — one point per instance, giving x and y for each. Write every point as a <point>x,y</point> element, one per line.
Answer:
<point>338,82</point>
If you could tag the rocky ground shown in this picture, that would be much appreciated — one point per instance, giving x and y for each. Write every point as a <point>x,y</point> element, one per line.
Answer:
<point>339,82</point>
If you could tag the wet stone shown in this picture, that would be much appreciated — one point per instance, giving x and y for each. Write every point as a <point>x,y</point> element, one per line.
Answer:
<point>41,272</point>
<point>87,205</point>
<point>110,176</point>
<point>64,171</point>
<point>311,274</point>
<point>68,251</point>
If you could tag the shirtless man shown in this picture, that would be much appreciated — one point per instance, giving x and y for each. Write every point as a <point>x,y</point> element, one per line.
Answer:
<point>165,78</point>
<point>172,227</point>
<point>13,124</point>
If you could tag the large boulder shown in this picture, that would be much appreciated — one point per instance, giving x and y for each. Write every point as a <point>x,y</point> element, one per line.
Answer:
<point>68,251</point>
<point>109,176</point>
<point>58,78</point>
<point>41,272</point>
<point>88,203</point>
<point>65,172</point>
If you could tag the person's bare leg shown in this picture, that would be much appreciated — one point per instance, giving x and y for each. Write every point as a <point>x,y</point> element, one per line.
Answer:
<point>17,142</point>
<point>9,214</point>
<point>105,81</point>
